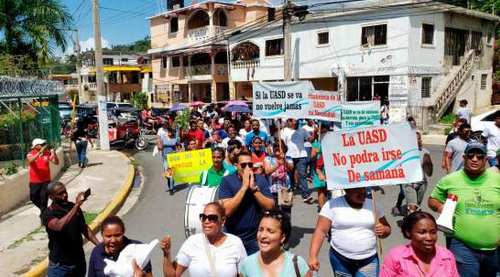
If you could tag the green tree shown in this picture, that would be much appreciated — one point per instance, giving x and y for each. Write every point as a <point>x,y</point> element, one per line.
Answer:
<point>33,28</point>
<point>140,100</point>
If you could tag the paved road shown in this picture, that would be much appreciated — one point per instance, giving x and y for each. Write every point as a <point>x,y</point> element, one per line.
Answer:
<point>157,214</point>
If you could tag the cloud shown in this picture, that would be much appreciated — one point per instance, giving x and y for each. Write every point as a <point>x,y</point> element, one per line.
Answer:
<point>89,44</point>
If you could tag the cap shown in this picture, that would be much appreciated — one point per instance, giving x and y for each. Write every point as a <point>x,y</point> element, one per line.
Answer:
<point>37,141</point>
<point>475,145</point>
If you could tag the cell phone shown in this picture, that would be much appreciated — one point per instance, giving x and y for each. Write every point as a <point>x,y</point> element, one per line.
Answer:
<point>86,194</point>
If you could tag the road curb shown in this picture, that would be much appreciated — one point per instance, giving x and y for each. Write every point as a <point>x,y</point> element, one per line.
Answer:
<point>113,207</point>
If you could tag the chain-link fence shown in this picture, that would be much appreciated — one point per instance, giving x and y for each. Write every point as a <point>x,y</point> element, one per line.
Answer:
<point>26,112</point>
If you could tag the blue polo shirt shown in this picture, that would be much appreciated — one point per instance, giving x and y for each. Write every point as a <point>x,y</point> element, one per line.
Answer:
<point>249,137</point>
<point>245,219</point>
<point>97,264</point>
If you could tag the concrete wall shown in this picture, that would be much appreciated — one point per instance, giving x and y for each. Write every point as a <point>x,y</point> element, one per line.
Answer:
<point>14,189</point>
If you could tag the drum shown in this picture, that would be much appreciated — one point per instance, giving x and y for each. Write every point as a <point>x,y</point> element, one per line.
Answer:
<point>197,197</point>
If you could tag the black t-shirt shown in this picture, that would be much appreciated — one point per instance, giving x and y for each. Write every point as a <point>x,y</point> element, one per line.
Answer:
<point>65,246</point>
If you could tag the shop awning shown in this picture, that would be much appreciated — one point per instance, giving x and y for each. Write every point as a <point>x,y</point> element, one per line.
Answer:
<point>146,70</point>
<point>113,68</point>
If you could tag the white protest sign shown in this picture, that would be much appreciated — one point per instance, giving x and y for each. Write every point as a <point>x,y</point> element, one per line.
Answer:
<point>371,156</point>
<point>281,99</point>
<point>325,105</point>
<point>360,113</point>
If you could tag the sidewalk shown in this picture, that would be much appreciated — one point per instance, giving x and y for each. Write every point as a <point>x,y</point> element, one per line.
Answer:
<point>23,241</point>
<point>434,139</point>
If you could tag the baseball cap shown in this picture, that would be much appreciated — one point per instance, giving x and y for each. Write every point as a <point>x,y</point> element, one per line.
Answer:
<point>37,141</point>
<point>475,145</point>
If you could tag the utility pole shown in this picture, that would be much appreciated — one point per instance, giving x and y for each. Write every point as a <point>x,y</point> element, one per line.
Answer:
<point>78,67</point>
<point>287,41</point>
<point>101,94</point>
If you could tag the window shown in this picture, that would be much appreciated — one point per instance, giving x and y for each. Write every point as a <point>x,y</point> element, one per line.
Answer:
<point>427,34</point>
<point>271,14</point>
<point>374,35</point>
<point>124,60</point>
<point>174,25</point>
<point>323,38</point>
<point>107,61</point>
<point>274,47</point>
<point>484,77</point>
<point>368,87</point>
<point>176,61</point>
<point>164,62</point>
<point>426,87</point>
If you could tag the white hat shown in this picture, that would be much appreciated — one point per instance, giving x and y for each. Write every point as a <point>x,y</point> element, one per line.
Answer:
<point>38,141</point>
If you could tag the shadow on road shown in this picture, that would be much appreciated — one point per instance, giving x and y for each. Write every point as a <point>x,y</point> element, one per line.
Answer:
<point>298,234</point>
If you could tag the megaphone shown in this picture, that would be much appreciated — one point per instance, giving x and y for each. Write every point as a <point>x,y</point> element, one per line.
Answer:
<point>445,220</point>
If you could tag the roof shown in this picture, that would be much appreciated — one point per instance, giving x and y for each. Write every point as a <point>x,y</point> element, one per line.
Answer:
<point>22,87</point>
<point>192,47</point>
<point>197,5</point>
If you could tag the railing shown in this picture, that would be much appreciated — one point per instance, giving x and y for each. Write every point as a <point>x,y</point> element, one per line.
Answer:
<point>203,69</point>
<point>91,86</point>
<point>451,89</point>
<point>203,33</point>
<point>245,64</point>
<point>220,70</point>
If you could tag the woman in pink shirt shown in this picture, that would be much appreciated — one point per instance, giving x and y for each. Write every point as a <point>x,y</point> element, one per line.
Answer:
<point>421,257</point>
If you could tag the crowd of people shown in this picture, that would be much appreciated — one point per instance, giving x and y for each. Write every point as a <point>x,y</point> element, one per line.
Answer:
<point>258,164</point>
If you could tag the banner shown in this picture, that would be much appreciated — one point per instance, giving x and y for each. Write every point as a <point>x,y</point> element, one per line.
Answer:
<point>281,99</point>
<point>325,105</point>
<point>360,113</point>
<point>188,166</point>
<point>372,156</point>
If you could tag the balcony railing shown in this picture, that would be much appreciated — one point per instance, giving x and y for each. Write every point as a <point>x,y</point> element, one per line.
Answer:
<point>203,33</point>
<point>220,70</point>
<point>245,64</point>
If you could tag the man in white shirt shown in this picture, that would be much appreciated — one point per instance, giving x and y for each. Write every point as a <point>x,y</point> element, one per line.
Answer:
<point>492,134</point>
<point>463,111</point>
<point>232,134</point>
<point>294,140</point>
<point>310,126</point>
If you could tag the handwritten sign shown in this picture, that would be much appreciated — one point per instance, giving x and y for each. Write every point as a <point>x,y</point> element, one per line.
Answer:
<point>373,156</point>
<point>281,99</point>
<point>324,105</point>
<point>360,113</point>
<point>188,166</point>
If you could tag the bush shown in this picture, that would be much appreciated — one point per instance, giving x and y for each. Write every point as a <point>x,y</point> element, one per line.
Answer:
<point>448,119</point>
<point>139,100</point>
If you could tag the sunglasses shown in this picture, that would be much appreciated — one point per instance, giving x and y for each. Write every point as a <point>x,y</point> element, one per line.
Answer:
<point>211,217</point>
<point>272,214</point>
<point>477,155</point>
<point>243,165</point>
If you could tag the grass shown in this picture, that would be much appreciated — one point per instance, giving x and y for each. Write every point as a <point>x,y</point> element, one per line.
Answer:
<point>28,237</point>
<point>448,119</point>
<point>89,217</point>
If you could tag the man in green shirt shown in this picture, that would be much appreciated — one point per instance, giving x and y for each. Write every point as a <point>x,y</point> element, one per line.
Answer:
<point>212,177</point>
<point>476,219</point>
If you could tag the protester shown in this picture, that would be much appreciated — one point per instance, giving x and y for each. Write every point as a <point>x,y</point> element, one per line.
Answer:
<point>272,260</point>
<point>414,192</point>
<point>211,253</point>
<point>65,225</point>
<point>492,134</point>
<point>247,128</point>
<point>277,168</point>
<point>167,143</point>
<point>354,233</point>
<point>475,223</point>
<point>256,132</point>
<point>243,196</point>
<point>232,135</point>
<point>294,139</point>
<point>192,145</point>
<point>463,111</point>
<point>496,168</point>
<point>212,177</point>
<point>454,150</point>
<point>258,155</point>
<point>421,257</point>
<point>39,159</point>
<point>197,134</point>
<point>233,150</point>
<point>114,241</point>
<point>310,128</point>
<point>454,131</point>
<point>81,138</point>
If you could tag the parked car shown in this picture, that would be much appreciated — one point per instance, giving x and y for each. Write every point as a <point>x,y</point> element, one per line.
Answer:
<point>480,122</point>
<point>64,110</point>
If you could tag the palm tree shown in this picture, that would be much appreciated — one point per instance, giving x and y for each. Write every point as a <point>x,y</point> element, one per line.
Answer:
<point>33,28</point>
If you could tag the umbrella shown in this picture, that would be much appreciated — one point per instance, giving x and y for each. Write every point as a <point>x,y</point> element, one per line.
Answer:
<point>178,107</point>
<point>237,109</point>
<point>236,103</point>
<point>197,103</point>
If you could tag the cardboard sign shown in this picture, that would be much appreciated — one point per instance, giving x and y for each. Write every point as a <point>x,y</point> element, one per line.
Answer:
<point>373,156</point>
<point>188,166</point>
<point>281,99</point>
<point>360,113</point>
<point>325,105</point>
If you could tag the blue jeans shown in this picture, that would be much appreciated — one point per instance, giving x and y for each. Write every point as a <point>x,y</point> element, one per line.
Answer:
<point>474,263</point>
<point>343,266</point>
<point>300,165</point>
<point>60,270</point>
<point>169,181</point>
<point>81,150</point>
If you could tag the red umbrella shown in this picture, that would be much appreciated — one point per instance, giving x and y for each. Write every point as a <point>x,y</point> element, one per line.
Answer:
<point>197,103</point>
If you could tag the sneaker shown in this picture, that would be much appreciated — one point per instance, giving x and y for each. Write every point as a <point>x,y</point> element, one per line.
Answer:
<point>308,200</point>
<point>395,211</point>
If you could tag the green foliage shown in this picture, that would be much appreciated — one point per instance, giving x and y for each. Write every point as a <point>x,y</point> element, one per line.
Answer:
<point>89,217</point>
<point>138,46</point>
<point>10,120</point>
<point>448,118</point>
<point>139,100</point>
<point>182,119</point>
<point>11,169</point>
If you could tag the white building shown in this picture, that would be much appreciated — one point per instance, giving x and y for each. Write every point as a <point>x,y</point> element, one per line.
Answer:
<point>417,56</point>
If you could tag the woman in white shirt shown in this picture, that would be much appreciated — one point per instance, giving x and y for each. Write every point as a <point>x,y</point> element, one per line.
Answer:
<point>353,234</point>
<point>211,253</point>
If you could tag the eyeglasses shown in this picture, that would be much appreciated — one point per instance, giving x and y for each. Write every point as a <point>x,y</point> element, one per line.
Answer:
<point>477,155</point>
<point>243,165</point>
<point>211,217</point>
<point>272,214</point>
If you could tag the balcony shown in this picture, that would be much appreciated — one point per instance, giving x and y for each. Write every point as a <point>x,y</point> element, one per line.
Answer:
<point>245,63</point>
<point>203,33</point>
<point>196,70</point>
